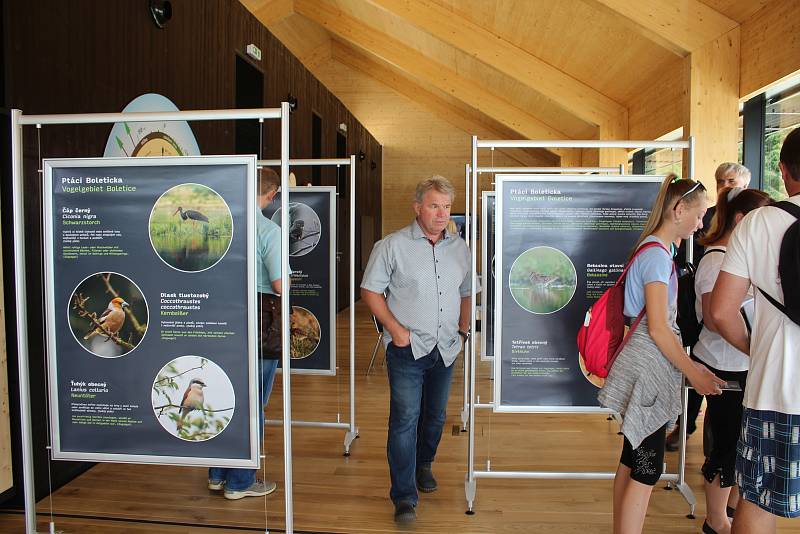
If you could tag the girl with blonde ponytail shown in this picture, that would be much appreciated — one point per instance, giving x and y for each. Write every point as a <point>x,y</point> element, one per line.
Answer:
<point>644,384</point>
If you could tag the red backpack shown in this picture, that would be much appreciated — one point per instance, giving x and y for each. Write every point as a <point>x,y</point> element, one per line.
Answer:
<point>602,335</point>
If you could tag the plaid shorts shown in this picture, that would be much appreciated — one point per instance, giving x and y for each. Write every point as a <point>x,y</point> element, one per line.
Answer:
<point>768,461</point>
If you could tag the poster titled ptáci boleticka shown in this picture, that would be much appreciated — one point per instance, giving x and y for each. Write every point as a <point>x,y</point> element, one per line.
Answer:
<point>150,287</point>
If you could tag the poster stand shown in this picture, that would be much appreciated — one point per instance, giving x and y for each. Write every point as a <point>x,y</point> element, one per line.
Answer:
<point>507,170</point>
<point>18,120</point>
<point>674,480</point>
<point>351,430</point>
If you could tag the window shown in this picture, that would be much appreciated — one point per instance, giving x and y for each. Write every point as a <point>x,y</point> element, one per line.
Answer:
<point>782,115</point>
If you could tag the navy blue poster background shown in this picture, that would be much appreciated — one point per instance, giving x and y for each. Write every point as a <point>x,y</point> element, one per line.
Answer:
<point>177,284</point>
<point>563,243</point>
<point>312,292</point>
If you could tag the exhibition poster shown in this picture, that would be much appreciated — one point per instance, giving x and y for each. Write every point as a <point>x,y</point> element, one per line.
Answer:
<point>487,276</point>
<point>564,241</point>
<point>150,286</point>
<point>312,258</point>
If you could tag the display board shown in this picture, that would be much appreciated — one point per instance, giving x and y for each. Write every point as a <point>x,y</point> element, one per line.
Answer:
<point>312,258</point>
<point>151,310</point>
<point>564,241</point>
<point>487,276</point>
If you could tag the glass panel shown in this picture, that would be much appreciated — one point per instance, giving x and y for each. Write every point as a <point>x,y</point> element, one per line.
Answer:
<point>663,161</point>
<point>782,116</point>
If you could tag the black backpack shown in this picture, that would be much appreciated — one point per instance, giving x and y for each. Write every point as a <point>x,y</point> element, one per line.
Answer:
<point>687,321</point>
<point>789,266</point>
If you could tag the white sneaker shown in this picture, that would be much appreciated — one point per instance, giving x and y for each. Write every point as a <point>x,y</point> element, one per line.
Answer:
<point>256,489</point>
<point>216,485</point>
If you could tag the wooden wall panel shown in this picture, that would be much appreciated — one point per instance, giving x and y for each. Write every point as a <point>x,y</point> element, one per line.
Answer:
<point>713,108</point>
<point>770,46</point>
<point>78,56</point>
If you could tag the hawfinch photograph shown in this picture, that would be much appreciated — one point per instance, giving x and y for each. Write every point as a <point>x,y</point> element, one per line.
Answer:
<point>108,315</point>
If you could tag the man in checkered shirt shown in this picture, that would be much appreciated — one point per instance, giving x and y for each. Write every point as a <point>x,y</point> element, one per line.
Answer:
<point>417,284</point>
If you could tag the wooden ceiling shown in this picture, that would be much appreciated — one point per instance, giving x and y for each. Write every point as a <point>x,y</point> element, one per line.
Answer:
<point>522,68</point>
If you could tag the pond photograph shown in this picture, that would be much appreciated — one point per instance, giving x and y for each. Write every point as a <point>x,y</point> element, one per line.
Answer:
<point>542,280</point>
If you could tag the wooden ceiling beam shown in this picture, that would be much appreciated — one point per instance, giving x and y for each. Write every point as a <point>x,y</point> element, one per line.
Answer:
<point>680,26</point>
<point>469,122</point>
<point>269,11</point>
<point>573,95</point>
<point>418,66</point>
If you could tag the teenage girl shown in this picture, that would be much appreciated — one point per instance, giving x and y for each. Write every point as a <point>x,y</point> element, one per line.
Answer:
<point>644,384</point>
<point>724,412</point>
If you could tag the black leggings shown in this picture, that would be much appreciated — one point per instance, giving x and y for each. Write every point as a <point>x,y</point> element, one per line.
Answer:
<point>724,416</point>
<point>647,460</point>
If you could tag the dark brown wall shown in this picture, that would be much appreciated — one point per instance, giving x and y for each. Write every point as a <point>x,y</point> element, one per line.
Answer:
<point>80,56</point>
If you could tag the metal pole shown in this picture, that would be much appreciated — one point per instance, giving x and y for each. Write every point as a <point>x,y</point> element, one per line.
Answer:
<point>155,116</point>
<point>591,143</point>
<point>21,302</point>
<point>353,430</point>
<point>470,486</point>
<point>557,170</point>
<point>622,168</point>
<point>303,162</point>
<point>286,361</point>
<point>465,405</point>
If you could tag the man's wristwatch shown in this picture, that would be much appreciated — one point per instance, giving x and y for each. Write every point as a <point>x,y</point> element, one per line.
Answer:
<point>463,334</point>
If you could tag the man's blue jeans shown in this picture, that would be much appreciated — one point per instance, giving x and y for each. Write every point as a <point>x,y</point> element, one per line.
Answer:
<point>417,412</point>
<point>239,479</point>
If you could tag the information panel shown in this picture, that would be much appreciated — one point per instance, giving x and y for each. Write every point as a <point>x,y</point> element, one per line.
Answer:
<point>564,241</point>
<point>150,285</point>
<point>487,276</point>
<point>312,257</point>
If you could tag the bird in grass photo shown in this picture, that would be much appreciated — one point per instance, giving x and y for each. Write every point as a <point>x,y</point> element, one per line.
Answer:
<point>112,319</point>
<point>191,215</point>
<point>192,399</point>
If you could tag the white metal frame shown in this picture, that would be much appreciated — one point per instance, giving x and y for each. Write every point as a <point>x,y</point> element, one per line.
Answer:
<point>351,430</point>
<point>676,480</point>
<point>18,120</point>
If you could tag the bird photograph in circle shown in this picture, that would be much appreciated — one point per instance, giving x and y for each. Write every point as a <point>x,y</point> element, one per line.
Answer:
<point>542,280</point>
<point>193,398</point>
<point>191,227</point>
<point>305,333</point>
<point>305,228</point>
<point>108,314</point>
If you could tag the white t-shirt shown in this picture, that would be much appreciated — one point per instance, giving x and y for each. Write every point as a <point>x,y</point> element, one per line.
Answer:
<point>773,382</point>
<point>711,348</point>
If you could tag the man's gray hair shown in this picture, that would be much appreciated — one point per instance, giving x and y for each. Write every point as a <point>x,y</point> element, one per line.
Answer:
<point>439,183</point>
<point>730,167</point>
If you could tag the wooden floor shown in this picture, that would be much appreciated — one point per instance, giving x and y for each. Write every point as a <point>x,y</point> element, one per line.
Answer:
<point>335,494</point>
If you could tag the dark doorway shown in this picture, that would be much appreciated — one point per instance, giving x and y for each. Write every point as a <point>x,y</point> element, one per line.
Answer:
<point>249,94</point>
<point>343,228</point>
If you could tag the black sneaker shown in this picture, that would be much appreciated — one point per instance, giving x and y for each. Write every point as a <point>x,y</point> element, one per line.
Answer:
<point>404,512</point>
<point>425,481</point>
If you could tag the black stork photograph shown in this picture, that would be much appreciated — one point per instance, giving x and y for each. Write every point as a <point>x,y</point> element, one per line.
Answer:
<point>191,227</point>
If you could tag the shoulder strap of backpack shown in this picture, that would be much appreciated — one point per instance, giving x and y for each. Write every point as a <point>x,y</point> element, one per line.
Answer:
<point>641,249</point>
<point>644,308</point>
<point>789,207</point>
<point>792,209</point>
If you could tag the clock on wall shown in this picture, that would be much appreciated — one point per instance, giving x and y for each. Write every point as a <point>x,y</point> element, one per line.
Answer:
<point>164,138</point>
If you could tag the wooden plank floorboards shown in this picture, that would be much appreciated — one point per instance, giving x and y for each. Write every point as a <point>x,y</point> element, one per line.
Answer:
<point>335,494</point>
